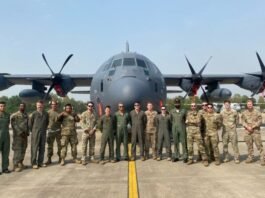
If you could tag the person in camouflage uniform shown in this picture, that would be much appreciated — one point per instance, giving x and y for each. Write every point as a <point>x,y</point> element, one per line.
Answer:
<point>193,123</point>
<point>251,121</point>
<point>150,131</point>
<point>38,123</point>
<point>212,124</point>
<point>121,121</point>
<point>230,121</point>
<point>107,127</point>
<point>203,112</point>
<point>178,117</point>
<point>54,132</point>
<point>19,123</point>
<point>163,133</point>
<point>138,123</point>
<point>68,120</point>
<point>4,137</point>
<point>88,124</point>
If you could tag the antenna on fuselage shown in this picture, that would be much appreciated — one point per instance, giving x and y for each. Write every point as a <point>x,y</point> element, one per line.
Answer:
<point>127,47</point>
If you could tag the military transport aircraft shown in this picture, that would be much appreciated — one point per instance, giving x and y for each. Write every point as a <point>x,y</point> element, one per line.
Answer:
<point>128,77</point>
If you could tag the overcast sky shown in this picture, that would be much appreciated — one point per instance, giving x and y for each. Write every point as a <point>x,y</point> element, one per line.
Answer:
<point>162,30</point>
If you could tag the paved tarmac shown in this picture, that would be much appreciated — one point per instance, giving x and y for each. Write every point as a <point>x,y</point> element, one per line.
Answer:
<point>155,179</point>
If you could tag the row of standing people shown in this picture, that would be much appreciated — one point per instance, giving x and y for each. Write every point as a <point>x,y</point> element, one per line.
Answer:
<point>149,129</point>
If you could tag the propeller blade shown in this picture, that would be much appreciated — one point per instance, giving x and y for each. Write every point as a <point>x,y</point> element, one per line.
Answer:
<point>201,71</point>
<point>66,61</point>
<point>205,95</point>
<point>191,68</point>
<point>260,63</point>
<point>43,56</point>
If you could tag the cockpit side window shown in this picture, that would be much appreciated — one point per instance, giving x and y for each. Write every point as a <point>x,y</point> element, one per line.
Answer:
<point>141,63</point>
<point>129,62</point>
<point>116,63</point>
<point>107,66</point>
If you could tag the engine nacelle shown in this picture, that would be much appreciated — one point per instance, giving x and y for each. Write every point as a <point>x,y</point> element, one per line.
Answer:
<point>64,86</point>
<point>31,95</point>
<point>185,84</point>
<point>4,84</point>
<point>219,94</point>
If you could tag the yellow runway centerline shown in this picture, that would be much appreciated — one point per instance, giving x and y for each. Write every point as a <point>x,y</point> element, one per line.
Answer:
<point>132,178</point>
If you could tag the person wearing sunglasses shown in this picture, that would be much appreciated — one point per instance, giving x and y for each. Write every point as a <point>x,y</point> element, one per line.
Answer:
<point>163,133</point>
<point>88,124</point>
<point>138,123</point>
<point>251,121</point>
<point>193,123</point>
<point>230,121</point>
<point>121,119</point>
<point>213,124</point>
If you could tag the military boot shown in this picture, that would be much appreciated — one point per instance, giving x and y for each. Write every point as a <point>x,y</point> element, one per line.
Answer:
<point>77,161</point>
<point>93,160</point>
<point>158,159</point>
<point>190,161</point>
<point>205,163</point>
<point>143,158</point>
<point>237,161</point>
<point>249,160</point>
<point>217,162</point>
<point>49,161</point>
<point>84,162</point>
<point>59,161</point>
<point>62,162</point>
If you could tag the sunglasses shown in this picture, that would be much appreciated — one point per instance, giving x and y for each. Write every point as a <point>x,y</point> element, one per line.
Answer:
<point>193,105</point>
<point>209,107</point>
<point>121,106</point>
<point>90,105</point>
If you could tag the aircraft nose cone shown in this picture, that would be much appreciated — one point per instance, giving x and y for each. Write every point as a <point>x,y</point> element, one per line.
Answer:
<point>129,90</point>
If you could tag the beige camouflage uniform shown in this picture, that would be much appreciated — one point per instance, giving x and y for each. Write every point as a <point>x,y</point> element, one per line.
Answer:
<point>88,124</point>
<point>230,120</point>
<point>150,133</point>
<point>193,123</point>
<point>54,133</point>
<point>19,123</point>
<point>252,118</point>
<point>212,124</point>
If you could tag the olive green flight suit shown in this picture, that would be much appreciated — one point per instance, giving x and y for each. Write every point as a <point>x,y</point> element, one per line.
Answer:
<point>121,122</point>
<point>107,127</point>
<point>38,123</point>
<point>4,139</point>
<point>178,118</point>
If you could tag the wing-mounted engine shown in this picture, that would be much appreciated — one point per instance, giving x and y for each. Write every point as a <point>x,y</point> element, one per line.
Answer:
<point>4,83</point>
<point>193,84</point>
<point>61,83</point>
<point>255,82</point>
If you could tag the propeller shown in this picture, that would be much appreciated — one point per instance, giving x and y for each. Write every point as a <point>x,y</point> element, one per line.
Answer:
<point>260,75</point>
<point>196,79</point>
<point>55,77</point>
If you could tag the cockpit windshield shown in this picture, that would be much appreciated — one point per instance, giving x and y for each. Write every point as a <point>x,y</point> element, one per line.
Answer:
<point>116,63</point>
<point>129,62</point>
<point>141,63</point>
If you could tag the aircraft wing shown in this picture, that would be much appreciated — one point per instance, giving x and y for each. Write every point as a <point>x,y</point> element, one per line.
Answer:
<point>45,79</point>
<point>175,80</point>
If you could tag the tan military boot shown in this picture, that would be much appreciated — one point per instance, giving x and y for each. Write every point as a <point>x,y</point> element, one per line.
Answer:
<point>101,162</point>
<point>158,159</point>
<point>237,161</point>
<point>217,162</point>
<point>190,161</point>
<point>169,159</point>
<point>62,162</point>
<point>35,166</point>
<point>249,160</point>
<point>142,158</point>
<point>262,162</point>
<point>93,160</point>
<point>84,162</point>
<point>77,161</point>
<point>205,163</point>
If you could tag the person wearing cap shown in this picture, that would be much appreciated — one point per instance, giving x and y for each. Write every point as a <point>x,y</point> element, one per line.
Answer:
<point>163,132</point>
<point>193,122</point>
<point>138,123</point>
<point>121,119</point>
<point>178,118</point>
